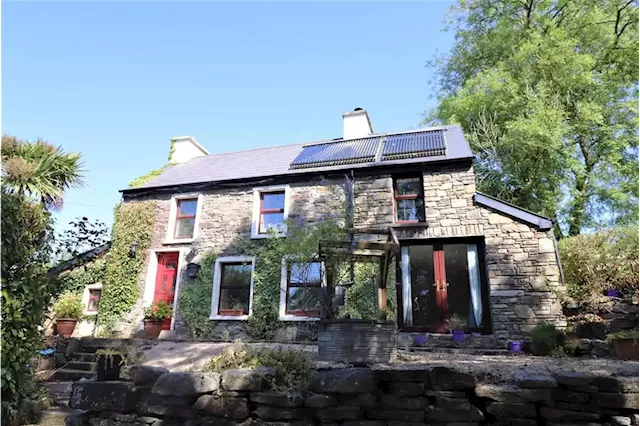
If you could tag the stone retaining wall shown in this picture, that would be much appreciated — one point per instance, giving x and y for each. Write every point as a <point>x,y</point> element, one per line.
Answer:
<point>355,397</point>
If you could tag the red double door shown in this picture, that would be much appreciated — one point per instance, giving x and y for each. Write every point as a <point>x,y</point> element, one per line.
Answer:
<point>166,277</point>
<point>439,279</point>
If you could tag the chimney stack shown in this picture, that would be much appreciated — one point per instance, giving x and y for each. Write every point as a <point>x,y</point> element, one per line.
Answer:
<point>184,148</point>
<point>356,124</point>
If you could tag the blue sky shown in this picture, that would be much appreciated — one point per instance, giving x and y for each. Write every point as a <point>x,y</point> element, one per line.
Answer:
<point>116,80</point>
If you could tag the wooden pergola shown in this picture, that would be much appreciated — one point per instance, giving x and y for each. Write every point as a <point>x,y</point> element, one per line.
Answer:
<point>353,250</point>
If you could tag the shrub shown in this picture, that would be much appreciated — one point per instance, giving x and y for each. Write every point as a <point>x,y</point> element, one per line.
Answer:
<point>158,311</point>
<point>292,368</point>
<point>69,305</point>
<point>594,263</point>
<point>624,334</point>
<point>546,339</point>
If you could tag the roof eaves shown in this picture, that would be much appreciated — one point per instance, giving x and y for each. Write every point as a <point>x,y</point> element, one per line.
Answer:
<point>540,222</point>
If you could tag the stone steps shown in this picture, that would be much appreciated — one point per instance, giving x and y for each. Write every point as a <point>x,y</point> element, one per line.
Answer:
<point>81,365</point>
<point>83,356</point>
<point>60,392</point>
<point>55,416</point>
<point>70,375</point>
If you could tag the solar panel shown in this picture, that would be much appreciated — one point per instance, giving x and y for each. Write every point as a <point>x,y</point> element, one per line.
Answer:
<point>337,153</point>
<point>412,145</point>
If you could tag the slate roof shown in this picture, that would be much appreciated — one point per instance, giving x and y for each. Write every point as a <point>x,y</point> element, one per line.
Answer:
<point>276,161</point>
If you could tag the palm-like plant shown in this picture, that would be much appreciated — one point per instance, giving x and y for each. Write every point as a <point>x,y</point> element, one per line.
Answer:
<point>39,169</point>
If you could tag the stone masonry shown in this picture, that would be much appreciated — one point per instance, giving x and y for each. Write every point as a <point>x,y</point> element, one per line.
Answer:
<point>355,397</point>
<point>521,262</point>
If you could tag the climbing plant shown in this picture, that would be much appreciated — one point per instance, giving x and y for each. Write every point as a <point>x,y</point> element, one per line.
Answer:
<point>133,223</point>
<point>141,180</point>
<point>195,299</point>
<point>26,293</point>
<point>76,279</point>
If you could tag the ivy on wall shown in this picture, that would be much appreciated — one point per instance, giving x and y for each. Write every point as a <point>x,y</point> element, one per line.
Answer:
<point>76,279</point>
<point>133,223</point>
<point>302,242</point>
<point>194,305</point>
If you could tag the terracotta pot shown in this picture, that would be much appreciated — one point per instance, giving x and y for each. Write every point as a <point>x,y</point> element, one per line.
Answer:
<point>626,348</point>
<point>232,312</point>
<point>65,326</point>
<point>153,328</point>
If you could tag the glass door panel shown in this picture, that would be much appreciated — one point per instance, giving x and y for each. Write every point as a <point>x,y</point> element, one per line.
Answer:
<point>456,270</point>
<point>425,311</point>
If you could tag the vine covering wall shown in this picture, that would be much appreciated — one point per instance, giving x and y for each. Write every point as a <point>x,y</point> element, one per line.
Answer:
<point>133,223</point>
<point>76,279</point>
<point>302,242</point>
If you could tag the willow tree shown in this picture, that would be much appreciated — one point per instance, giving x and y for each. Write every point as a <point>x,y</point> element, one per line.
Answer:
<point>547,93</point>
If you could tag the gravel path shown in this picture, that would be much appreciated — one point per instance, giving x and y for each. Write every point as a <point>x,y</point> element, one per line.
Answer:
<point>182,356</point>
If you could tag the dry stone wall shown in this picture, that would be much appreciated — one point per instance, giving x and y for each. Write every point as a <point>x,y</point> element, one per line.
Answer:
<point>355,397</point>
<point>523,273</point>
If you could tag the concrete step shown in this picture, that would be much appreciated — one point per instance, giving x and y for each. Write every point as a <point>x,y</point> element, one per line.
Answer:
<point>83,356</point>
<point>81,365</point>
<point>60,392</point>
<point>70,375</point>
<point>56,416</point>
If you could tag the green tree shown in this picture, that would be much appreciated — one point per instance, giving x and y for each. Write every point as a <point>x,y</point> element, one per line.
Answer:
<point>547,93</point>
<point>39,169</point>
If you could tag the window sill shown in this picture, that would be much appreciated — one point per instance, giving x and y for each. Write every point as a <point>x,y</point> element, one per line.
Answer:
<point>263,236</point>
<point>410,225</point>
<point>298,318</point>
<point>90,313</point>
<point>179,241</point>
<point>229,317</point>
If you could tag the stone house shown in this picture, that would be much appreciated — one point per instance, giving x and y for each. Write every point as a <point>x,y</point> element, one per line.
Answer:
<point>462,252</point>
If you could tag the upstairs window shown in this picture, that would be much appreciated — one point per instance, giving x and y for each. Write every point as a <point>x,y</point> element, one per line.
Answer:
<point>185,218</point>
<point>270,210</point>
<point>409,199</point>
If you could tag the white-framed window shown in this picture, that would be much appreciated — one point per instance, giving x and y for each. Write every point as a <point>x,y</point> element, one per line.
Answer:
<point>232,288</point>
<point>184,215</point>
<point>270,210</point>
<point>302,290</point>
<point>91,298</point>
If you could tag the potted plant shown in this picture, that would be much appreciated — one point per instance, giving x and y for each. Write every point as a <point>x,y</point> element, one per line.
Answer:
<point>108,364</point>
<point>457,324</point>
<point>236,310</point>
<point>625,344</point>
<point>68,309</point>
<point>154,317</point>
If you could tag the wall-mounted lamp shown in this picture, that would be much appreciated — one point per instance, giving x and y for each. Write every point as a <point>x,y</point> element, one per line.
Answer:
<point>133,248</point>
<point>192,270</point>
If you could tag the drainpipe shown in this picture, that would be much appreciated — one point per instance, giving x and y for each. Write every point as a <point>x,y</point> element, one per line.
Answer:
<point>555,247</point>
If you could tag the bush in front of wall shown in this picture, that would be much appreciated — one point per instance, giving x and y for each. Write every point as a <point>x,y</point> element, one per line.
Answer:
<point>194,305</point>
<point>134,223</point>
<point>26,294</point>
<point>292,367</point>
<point>69,305</point>
<point>546,340</point>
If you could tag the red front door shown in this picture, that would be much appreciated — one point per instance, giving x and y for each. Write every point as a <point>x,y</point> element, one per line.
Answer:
<point>166,276</point>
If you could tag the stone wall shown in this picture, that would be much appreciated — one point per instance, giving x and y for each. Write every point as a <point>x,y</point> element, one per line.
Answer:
<point>355,397</point>
<point>521,264</point>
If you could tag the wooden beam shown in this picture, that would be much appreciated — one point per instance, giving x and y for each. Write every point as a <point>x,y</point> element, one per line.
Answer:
<point>363,245</point>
